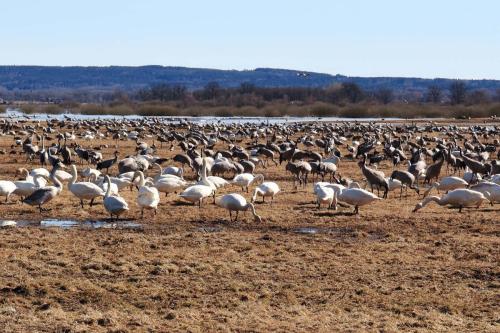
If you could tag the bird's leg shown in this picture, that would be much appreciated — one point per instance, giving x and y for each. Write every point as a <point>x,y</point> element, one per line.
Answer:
<point>236,218</point>
<point>92,202</point>
<point>460,209</point>
<point>230,216</point>
<point>81,203</point>
<point>263,198</point>
<point>142,213</point>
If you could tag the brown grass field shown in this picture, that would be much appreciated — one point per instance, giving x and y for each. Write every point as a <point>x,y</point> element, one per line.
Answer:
<point>190,269</point>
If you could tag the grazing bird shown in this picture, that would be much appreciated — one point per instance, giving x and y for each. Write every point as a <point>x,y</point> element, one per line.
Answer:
<point>114,205</point>
<point>406,178</point>
<point>84,190</point>
<point>355,197</point>
<point>266,189</point>
<point>324,195</point>
<point>447,184</point>
<point>459,198</point>
<point>374,177</point>
<point>245,180</point>
<point>203,189</point>
<point>235,202</point>
<point>490,190</point>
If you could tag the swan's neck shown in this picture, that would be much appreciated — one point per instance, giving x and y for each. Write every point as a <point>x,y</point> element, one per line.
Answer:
<point>56,182</point>
<point>434,198</point>
<point>74,175</point>
<point>252,209</point>
<point>108,190</point>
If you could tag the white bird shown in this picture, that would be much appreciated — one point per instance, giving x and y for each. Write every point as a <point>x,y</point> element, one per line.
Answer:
<point>148,196</point>
<point>63,176</point>
<point>490,190</point>
<point>266,189</point>
<point>458,198</point>
<point>115,205</point>
<point>447,184</point>
<point>203,189</point>
<point>246,179</point>
<point>121,183</point>
<point>84,190</point>
<point>324,195</point>
<point>355,197</point>
<point>88,173</point>
<point>172,170</point>
<point>7,188</point>
<point>27,187</point>
<point>495,179</point>
<point>45,194</point>
<point>170,184</point>
<point>235,202</point>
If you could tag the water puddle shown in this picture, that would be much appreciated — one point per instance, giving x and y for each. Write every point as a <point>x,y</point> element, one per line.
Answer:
<point>307,230</point>
<point>67,224</point>
<point>339,232</point>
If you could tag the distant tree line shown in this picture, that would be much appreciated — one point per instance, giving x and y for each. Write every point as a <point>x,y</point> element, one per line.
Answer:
<point>248,94</point>
<point>349,92</point>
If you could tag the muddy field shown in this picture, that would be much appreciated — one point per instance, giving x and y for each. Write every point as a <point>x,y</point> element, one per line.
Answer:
<point>302,269</point>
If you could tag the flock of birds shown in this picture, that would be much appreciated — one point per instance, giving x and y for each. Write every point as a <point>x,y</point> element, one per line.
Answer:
<point>218,155</point>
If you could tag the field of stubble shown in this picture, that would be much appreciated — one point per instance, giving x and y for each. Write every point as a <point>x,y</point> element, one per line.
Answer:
<point>190,269</point>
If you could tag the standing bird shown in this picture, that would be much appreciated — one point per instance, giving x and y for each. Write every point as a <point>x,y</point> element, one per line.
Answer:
<point>106,164</point>
<point>266,189</point>
<point>355,197</point>
<point>45,194</point>
<point>115,205</point>
<point>235,202</point>
<point>84,190</point>
<point>148,197</point>
<point>7,188</point>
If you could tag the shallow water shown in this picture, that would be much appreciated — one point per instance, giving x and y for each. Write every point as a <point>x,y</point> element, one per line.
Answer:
<point>12,113</point>
<point>307,230</point>
<point>66,224</point>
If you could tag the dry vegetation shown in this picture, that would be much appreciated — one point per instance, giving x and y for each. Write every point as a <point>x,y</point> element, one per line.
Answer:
<point>191,270</point>
<point>318,109</point>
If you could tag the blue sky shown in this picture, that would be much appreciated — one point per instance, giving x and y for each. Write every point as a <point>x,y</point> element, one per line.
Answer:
<point>454,39</point>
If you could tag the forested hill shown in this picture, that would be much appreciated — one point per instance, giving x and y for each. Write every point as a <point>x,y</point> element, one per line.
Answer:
<point>132,78</point>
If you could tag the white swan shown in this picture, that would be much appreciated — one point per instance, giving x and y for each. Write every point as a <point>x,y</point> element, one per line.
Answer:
<point>355,197</point>
<point>45,194</point>
<point>235,202</point>
<point>495,179</point>
<point>115,205</point>
<point>169,184</point>
<point>121,183</point>
<point>458,198</point>
<point>172,170</point>
<point>324,195</point>
<point>7,188</point>
<point>203,189</point>
<point>246,179</point>
<point>25,187</point>
<point>63,176</point>
<point>490,190</point>
<point>266,189</point>
<point>84,190</point>
<point>88,173</point>
<point>447,184</point>
<point>148,196</point>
